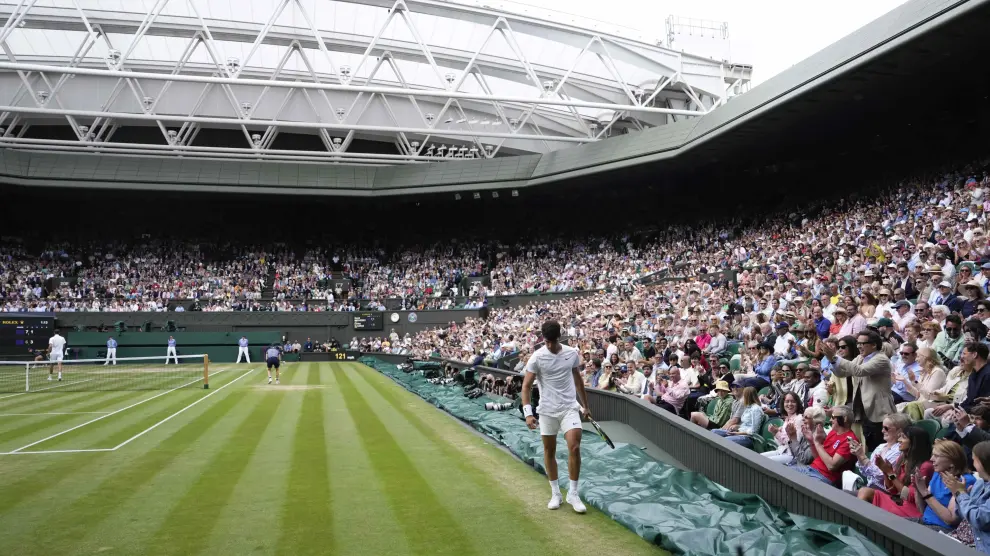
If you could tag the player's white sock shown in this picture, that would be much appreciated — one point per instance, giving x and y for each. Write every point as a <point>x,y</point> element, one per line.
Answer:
<point>554,488</point>
<point>573,488</point>
<point>60,375</point>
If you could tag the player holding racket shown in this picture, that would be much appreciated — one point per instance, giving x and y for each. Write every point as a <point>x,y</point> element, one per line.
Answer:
<point>555,367</point>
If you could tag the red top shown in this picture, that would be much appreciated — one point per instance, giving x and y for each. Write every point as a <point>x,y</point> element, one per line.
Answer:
<point>926,469</point>
<point>836,444</point>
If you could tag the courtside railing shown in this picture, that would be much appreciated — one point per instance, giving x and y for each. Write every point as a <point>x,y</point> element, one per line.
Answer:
<point>744,471</point>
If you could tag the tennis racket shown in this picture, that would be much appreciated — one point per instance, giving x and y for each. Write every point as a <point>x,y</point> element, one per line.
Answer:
<point>601,433</point>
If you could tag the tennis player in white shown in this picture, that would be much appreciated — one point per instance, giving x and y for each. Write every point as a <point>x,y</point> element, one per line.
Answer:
<point>56,349</point>
<point>555,368</point>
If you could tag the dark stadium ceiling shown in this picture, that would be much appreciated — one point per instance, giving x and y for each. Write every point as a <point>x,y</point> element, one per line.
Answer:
<point>913,97</point>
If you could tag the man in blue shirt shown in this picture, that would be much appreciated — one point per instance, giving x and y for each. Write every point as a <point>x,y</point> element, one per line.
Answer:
<point>111,351</point>
<point>242,349</point>
<point>273,357</point>
<point>822,324</point>
<point>906,369</point>
<point>170,351</point>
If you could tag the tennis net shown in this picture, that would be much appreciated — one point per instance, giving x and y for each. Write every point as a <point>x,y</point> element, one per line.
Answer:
<point>80,375</point>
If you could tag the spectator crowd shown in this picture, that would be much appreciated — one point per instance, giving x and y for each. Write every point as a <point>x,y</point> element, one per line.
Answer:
<point>846,340</point>
<point>851,345</point>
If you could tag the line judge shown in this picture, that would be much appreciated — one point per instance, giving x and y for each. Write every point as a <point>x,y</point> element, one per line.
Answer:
<point>111,351</point>
<point>242,349</point>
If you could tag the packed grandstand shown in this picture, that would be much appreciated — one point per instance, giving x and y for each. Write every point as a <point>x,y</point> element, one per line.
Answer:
<point>675,317</point>
<point>811,305</point>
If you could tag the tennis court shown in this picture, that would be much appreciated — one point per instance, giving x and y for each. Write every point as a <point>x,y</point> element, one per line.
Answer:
<point>335,460</point>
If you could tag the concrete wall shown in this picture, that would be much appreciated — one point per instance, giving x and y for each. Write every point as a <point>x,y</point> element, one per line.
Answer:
<point>296,325</point>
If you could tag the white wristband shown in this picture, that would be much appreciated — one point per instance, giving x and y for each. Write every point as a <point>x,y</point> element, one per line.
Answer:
<point>528,410</point>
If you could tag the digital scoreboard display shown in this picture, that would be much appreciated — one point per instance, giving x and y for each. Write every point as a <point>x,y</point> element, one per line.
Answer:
<point>23,335</point>
<point>369,321</point>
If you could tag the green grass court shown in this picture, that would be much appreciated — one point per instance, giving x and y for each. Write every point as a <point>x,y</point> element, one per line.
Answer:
<point>336,460</point>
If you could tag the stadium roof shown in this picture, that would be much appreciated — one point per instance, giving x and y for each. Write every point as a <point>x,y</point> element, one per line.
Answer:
<point>855,98</point>
<point>524,84</point>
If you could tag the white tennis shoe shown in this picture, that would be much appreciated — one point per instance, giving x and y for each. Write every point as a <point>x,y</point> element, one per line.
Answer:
<point>575,501</point>
<point>554,502</point>
<point>269,380</point>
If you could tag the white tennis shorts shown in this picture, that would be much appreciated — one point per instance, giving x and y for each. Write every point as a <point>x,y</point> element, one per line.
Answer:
<point>550,425</point>
<point>55,357</point>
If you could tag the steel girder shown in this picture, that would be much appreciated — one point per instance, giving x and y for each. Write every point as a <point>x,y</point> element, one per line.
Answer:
<point>572,108</point>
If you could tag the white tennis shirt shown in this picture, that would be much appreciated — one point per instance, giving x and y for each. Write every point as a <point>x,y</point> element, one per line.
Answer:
<point>555,379</point>
<point>57,343</point>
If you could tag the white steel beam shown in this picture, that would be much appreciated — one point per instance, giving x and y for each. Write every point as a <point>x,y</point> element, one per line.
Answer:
<point>425,93</point>
<point>283,123</point>
<point>660,61</point>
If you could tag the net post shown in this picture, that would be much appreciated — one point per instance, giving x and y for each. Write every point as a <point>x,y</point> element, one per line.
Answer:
<point>27,377</point>
<point>206,372</point>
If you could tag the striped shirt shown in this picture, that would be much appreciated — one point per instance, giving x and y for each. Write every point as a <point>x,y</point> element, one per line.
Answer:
<point>112,344</point>
<point>272,353</point>
<point>242,342</point>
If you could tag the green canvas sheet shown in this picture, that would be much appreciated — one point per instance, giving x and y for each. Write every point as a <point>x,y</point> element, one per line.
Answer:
<point>682,511</point>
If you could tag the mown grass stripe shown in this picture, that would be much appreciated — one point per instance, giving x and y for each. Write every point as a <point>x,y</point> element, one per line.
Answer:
<point>75,518</point>
<point>187,528</point>
<point>428,525</point>
<point>362,484</point>
<point>56,402</point>
<point>307,522</point>
<point>35,426</point>
<point>250,522</point>
<point>42,399</point>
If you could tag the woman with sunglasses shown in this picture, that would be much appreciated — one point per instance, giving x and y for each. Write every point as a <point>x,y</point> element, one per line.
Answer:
<point>880,463</point>
<point>929,331</point>
<point>897,495</point>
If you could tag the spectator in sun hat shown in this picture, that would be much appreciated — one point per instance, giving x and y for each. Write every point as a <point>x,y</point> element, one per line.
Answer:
<point>762,369</point>
<point>972,292</point>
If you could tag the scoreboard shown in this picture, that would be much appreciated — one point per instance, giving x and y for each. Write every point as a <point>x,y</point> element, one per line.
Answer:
<point>369,321</point>
<point>22,335</point>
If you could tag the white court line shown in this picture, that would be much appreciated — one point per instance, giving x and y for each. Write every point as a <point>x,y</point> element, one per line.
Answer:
<point>165,420</point>
<point>56,451</point>
<point>49,388</point>
<point>107,415</point>
<point>65,413</point>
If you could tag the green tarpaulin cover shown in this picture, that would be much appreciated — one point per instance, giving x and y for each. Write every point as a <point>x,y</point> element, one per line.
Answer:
<point>681,511</point>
